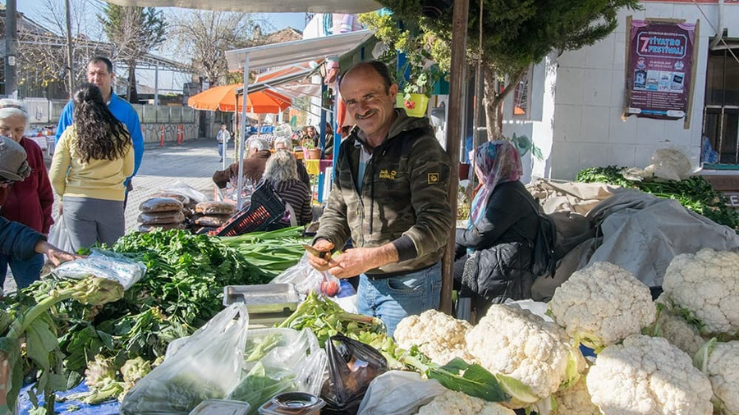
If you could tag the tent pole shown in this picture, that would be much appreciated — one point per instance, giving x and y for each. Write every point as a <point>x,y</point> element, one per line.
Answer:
<point>453,137</point>
<point>242,134</point>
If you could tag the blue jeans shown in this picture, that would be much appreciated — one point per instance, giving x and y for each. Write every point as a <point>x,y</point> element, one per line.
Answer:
<point>392,299</point>
<point>24,272</point>
<point>220,149</point>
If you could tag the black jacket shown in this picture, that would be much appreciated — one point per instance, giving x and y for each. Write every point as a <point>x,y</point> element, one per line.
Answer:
<point>500,265</point>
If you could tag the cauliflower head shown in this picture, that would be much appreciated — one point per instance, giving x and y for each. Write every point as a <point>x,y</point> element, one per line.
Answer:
<point>436,334</point>
<point>458,403</point>
<point>99,372</point>
<point>602,304</point>
<point>705,283</point>
<point>575,400</point>
<point>720,361</point>
<point>676,329</point>
<point>648,376</point>
<point>530,356</point>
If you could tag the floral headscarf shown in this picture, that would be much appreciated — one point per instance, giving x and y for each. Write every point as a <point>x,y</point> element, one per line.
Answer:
<point>496,162</point>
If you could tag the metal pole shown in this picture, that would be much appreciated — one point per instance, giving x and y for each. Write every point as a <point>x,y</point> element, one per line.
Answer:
<point>11,40</point>
<point>453,137</point>
<point>156,85</point>
<point>242,134</point>
<point>70,64</point>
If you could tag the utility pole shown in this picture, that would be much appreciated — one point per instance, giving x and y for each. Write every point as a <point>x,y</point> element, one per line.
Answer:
<point>70,65</point>
<point>11,41</point>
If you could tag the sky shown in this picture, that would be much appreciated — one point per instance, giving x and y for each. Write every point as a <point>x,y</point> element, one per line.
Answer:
<point>35,8</point>
<point>168,82</point>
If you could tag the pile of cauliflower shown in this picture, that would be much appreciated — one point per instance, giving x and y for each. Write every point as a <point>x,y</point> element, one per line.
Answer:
<point>678,355</point>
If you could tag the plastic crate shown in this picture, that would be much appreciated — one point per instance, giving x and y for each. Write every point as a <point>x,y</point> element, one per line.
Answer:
<point>265,208</point>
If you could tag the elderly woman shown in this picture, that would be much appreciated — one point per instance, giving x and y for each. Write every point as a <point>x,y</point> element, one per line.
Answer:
<point>494,254</point>
<point>92,160</point>
<point>27,201</point>
<point>285,143</point>
<point>282,174</point>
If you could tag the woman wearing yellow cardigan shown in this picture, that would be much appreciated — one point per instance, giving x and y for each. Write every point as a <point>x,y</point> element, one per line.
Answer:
<point>91,162</point>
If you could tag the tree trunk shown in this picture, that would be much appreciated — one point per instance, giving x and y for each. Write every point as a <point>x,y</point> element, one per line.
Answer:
<point>494,99</point>
<point>133,94</point>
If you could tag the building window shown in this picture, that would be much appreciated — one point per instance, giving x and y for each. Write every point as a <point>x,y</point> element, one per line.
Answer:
<point>521,96</point>
<point>721,109</point>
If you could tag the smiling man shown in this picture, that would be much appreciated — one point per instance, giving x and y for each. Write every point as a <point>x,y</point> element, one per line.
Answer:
<point>100,72</point>
<point>390,197</point>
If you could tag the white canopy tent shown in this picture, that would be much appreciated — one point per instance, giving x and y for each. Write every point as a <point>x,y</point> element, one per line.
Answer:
<point>262,6</point>
<point>281,54</point>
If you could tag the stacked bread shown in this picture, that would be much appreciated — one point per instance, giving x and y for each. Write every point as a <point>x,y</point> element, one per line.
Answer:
<point>188,206</point>
<point>211,215</point>
<point>161,212</point>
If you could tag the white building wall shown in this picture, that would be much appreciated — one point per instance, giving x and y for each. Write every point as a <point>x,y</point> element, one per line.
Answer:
<point>587,128</point>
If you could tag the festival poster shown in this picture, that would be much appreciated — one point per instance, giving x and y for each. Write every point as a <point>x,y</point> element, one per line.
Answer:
<point>659,69</point>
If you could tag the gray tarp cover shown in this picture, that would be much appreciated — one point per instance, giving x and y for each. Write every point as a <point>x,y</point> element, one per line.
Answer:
<point>642,233</point>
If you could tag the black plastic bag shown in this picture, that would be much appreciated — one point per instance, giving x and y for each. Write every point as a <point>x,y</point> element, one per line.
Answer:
<point>352,365</point>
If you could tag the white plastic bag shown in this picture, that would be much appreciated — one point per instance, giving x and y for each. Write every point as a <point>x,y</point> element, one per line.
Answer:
<point>280,360</point>
<point>104,264</point>
<point>59,235</point>
<point>399,393</point>
<point>185,189</point>
<point>208,366</point>
<point>307,279</point>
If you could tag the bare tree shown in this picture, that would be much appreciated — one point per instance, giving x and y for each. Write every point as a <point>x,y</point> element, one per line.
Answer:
<point>205,36</point>
<point>134,31</point>
<point>42,62</point>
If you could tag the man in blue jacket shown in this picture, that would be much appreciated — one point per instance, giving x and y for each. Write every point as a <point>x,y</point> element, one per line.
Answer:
<point>100,73</point>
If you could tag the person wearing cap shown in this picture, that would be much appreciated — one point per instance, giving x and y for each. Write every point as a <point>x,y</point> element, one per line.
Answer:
<point>28,201</point>
<point>89,169</point>
<point>17,240</point>
<point>253,164</point>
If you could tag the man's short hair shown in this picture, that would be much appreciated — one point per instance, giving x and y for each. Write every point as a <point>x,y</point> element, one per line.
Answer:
<point>103,59</point>
<point>259,144</point>
<point>379,68</point>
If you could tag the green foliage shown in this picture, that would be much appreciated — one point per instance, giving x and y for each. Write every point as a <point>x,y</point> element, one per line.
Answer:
<point>417,47</point>
<point>694,193</point>
<point>134,30</point>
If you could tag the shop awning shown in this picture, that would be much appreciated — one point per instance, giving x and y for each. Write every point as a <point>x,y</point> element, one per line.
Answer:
<point>262,6</point>
<point>297,51</point>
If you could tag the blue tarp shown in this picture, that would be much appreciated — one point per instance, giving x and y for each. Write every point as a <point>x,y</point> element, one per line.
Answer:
<point>105,408</point>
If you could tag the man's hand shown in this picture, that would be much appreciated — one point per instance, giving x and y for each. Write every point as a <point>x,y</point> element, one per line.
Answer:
<point>359,260</point>
<point>56,256</point>
<point>321,264</point>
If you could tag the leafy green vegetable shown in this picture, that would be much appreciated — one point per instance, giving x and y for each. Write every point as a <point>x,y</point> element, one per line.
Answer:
<point>458,375</point>
<point>694,193</point>
<point>259,386</point>
<point>325,318</point>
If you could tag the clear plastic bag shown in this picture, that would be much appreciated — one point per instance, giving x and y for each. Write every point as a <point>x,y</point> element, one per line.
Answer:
<point>104,264</point>
<point>59,235</point>
<point>307,279</point>
<point>208,366</point>
<point>280,360</point>
<point>399,393</point>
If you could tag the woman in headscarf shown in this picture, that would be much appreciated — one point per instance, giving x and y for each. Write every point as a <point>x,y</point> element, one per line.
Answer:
<point>494,254</point>
<point>28,201</point>
<point>92,160</point>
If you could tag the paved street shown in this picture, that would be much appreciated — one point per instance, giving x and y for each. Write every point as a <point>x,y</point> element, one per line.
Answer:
<point>192,163</point>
